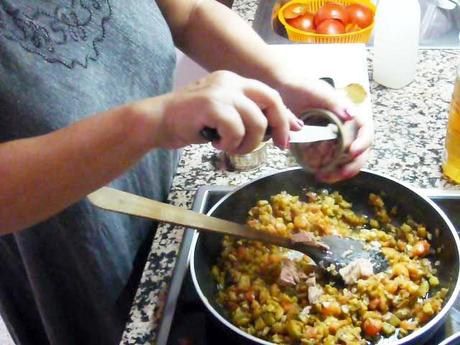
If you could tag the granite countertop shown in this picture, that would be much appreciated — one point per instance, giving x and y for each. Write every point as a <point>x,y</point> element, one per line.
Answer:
<point>409,137</point>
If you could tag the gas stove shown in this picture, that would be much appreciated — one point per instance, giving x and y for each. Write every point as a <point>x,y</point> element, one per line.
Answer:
<point>186,320</point>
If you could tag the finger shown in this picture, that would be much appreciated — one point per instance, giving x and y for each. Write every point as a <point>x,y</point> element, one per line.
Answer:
<point>279,117</point>
<point>364,136</point>
<point>351,169</point>
<point>230,126</point>
<point>345,172</point>
<point>280,126</point>
<point>295,124</point>
<point>267,98</point>
<point>255,124</point>
<point>328,97</point>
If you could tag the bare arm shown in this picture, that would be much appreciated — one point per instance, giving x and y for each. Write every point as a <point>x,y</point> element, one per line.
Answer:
<point>42,175</point>
<point>217,38</point>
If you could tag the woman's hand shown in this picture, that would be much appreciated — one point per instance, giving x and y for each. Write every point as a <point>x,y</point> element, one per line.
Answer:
<point>301,94</point>
<point>239,109</point>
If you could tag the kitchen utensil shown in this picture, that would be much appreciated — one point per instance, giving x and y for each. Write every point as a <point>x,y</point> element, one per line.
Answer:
<point>206,247</point>
<point>324,155</point>
<point>322,143</point>
<point>307,134</point>
<point>312,134</point>
<point>454,339</point>
<point>250,160</point>
<point>119,201</point>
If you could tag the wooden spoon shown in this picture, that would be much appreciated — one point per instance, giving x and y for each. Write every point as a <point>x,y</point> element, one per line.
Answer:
<point>325,256</point>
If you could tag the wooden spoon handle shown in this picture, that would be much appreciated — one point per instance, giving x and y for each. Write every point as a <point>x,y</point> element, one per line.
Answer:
<point>116,200</point>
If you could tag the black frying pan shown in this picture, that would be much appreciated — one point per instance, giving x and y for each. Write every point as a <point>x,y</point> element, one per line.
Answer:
<point>206,247</point>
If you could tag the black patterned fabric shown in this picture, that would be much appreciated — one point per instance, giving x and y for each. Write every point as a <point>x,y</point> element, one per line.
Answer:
<point>67,34</point>
<point>70,279</point>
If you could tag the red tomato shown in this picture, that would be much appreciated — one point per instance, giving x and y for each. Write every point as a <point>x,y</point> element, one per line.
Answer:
<point>372,327</point>
<point>294,10</point>
<point>303,22</point>
<point>331,10</point>
<point>330,27</point>
<point>360,15</point>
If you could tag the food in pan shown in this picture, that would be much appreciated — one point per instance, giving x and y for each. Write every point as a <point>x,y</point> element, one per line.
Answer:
<point>278,295</point>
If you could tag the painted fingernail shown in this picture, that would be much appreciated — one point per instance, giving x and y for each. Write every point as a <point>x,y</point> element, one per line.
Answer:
<point>356,153</point>
<point>322,175</point>
<point>348,174</point>
<point>286,144</point>
<point>348,116</point>
<point>350,113</point>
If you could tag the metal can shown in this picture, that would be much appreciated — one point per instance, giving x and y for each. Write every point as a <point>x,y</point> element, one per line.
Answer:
<point>324,156</point>
<point>251,160</point>
<point>451,162</point>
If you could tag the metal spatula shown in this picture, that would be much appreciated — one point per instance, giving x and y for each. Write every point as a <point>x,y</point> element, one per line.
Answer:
<point>127,203</point>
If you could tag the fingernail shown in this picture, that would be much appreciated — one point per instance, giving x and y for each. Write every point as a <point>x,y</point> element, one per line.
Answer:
<point>348,174</point>
<point>356,153</point>
<point>323,176</point>
<point>300,122</point>
<point>287,144</point>
<point>349,113</point>
<point>348,116</point>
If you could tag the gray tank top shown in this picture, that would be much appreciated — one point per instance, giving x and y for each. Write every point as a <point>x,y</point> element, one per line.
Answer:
<point>70,279</point>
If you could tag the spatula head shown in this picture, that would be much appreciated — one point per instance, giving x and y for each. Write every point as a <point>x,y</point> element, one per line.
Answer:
<point>343,252</point>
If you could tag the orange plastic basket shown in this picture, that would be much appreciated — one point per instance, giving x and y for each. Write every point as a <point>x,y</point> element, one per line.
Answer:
<point>296,35</point>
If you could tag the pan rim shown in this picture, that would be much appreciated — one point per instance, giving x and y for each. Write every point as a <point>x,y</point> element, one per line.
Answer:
<point>432,325</point>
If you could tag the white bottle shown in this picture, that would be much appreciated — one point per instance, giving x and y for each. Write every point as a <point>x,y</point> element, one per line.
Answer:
<point>396,37</point>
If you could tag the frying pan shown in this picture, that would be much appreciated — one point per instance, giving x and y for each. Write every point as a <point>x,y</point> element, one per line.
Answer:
<point>206,248</point>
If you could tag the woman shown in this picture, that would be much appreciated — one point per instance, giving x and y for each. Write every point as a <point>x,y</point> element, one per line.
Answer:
<point>85,99</point>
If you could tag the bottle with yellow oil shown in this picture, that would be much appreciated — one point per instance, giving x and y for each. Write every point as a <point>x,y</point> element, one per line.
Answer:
<point>451,164</point>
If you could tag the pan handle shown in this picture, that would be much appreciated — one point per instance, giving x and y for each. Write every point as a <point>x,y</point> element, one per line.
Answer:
<point>454,339</point>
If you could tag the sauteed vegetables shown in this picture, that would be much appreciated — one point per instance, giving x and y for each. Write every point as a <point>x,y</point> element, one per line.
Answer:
<point>277,295</point>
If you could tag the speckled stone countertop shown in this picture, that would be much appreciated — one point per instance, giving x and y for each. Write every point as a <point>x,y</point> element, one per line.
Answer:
<point>410,128</point>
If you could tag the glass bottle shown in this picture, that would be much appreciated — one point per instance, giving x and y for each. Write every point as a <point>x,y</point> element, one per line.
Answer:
<point>451,164</point>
